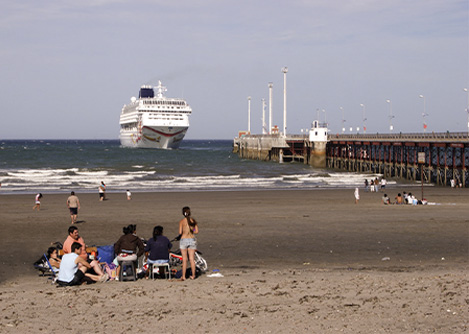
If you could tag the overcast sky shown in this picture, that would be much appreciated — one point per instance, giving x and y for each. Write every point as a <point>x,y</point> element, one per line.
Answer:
<point>68,67</point>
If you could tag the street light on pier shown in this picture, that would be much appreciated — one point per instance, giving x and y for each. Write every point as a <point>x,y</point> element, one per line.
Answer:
<point>325,120</point>
<point>363,117</point>
<point>270,106</point>
<point>390,115</point>
<point>343,120</point>
<point>264,130</point>
<point>249,114</point>
<point>285,70</point>
<point>467,109</point>
<point>424,114</point>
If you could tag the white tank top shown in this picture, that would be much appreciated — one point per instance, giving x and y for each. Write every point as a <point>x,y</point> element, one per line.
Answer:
<point>68,267</point>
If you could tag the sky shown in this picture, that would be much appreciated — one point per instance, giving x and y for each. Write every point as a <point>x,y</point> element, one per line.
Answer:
<point>67,67</point>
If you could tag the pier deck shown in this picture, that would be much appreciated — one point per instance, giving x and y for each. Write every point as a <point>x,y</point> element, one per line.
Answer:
<point>444,156</point>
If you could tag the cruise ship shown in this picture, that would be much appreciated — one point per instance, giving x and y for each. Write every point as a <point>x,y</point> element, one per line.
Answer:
<point>151,121</point>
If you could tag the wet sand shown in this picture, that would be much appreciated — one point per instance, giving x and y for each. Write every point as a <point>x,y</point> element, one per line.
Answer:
<point>292,260</point>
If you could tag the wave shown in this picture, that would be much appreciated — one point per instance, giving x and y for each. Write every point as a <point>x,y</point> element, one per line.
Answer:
<point>149,179</point>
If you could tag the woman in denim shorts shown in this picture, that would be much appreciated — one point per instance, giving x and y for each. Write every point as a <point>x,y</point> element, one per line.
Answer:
<point>187,229</point>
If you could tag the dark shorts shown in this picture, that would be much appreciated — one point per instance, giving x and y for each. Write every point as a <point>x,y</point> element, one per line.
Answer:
<point>77,279</point>
<point>101,195</point>
<point>73,211</point>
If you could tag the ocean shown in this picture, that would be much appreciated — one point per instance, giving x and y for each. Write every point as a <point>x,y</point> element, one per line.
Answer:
<point>56,166</point>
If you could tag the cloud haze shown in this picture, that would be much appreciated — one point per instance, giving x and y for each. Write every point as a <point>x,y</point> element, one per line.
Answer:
<point>69,66</point>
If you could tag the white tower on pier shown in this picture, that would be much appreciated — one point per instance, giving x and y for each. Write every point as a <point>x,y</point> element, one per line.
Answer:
<point>285,70</point>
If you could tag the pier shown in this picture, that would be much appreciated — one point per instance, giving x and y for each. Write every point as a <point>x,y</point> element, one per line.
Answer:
<point>438,158</point>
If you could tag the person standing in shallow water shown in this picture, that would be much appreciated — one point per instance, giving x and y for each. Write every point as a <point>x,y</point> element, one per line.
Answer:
<point>188,227</point>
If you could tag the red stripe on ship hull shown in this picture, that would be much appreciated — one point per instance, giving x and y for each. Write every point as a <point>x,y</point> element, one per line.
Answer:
<point>162,133</point>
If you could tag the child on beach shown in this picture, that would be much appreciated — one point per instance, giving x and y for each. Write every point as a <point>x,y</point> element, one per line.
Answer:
<point>357,195</point>
<point>129,195</point>
<point>38,202</point>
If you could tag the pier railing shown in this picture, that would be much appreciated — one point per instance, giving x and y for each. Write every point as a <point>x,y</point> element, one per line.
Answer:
<point>440,136</point>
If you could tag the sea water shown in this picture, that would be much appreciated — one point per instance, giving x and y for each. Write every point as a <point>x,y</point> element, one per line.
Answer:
<point>54,166</point>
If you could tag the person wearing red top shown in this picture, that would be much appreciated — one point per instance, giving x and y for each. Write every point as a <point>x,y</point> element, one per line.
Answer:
<point>73,236</point>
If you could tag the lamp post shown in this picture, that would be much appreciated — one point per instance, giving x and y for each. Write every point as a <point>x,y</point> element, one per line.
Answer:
<point>325,120</point>
<point>270,107</point>
<point>363,117</point>
<point>467,110</point>
<point>285,70</point>
<point>424,114</point>
<point>343,120</point>
<point>390,115</point>
<point>263,118</point>
<point>249,114</point>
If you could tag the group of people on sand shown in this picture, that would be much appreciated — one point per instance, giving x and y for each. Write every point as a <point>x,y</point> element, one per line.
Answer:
<point>130,247</point>
<point>76,267</point>
<point>403,199</point>
<point>375,185</point>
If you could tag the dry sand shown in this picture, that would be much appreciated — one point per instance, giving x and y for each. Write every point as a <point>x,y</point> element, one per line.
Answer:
<point>293,261</point>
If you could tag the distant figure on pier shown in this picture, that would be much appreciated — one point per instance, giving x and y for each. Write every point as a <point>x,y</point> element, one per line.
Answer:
<point>357,195</point>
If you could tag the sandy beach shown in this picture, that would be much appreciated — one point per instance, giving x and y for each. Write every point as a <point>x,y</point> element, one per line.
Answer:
<point>307,261</point>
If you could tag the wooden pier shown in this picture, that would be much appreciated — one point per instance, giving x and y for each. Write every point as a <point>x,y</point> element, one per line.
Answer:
<point>444,157</point>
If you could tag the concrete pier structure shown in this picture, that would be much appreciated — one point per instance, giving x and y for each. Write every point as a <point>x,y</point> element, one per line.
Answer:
<point>445,155</point>
<point>309,149</point>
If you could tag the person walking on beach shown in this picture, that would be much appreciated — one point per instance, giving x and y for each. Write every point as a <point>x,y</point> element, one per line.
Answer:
<point>102,191</point>
<point>129,195</point>
<point>357,195</point>
<point>38,202</point>
<point>188,227</point>
<point>73,204</point>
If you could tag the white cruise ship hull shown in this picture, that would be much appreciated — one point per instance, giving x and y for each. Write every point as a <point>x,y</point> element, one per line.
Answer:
<point>154,137</point>
<point>154,121</point>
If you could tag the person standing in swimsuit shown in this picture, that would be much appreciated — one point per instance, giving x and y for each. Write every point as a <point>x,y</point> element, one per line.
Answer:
<point>188,245</point>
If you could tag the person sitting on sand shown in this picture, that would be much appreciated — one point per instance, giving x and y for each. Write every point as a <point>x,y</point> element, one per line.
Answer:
<point>73,268</point>
<point>158,247</point>
<point>53,257</point>
<point>73,236</point>
<point>38,202</point>
<point>399,199</point>
<point>188,227</point>
<point>127,245</point>
<point>386,200</point>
